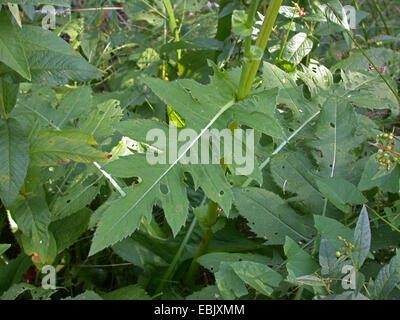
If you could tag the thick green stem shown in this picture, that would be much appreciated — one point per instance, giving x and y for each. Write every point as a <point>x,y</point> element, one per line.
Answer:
<point>212,214</point>
<point>172,24</point>
<point>250,68</point>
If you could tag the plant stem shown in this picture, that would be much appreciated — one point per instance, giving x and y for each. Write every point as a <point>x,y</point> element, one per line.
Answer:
<point>378,8</point>
<point>287,35</point>
<point>366,55</point>
<point>3,108</point>
<point>251,67</point>
<point>362,24</point>
<point>172,24</point>
<point>212,214</point>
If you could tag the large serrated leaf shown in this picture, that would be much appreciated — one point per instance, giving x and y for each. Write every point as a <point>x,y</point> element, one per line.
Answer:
<point>270,217</point>
<point>14,159</point>
<point>362,239</point>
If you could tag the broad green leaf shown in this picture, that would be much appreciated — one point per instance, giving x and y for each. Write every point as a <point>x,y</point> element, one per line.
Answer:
<point>207,293</point>
<point>8,93</point>
<point>362,239</point>
<point>72,106</point>
<point>33,218</point>
<point>62,147</point>
<point>212,260</point>
<point>340,192</point>
<point>81,192</point>
<point>310,280</point>
<point>66,231</point>
<point>99,121</point>
<point>14,159</point>
<point>36,39</point>
<point>132,251</point>
<point>387,279</point>
<point>229,283</point>
<point>12,272</point>
<point>4,247</point>
<point>132,292</point>
<point>297,48</point>
<point>332,228</point>
<point>37,293</point>
<point>12,52</point>
<point>56,68</point>
<point>270,217</point>
<point>327,258</point>
<point>299,262</point>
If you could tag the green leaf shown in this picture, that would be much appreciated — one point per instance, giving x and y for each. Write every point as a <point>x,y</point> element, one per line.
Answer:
<point>4,247</point>
<point>132,292</point>
<point>36,39</point>
<point>311,280</point>
<point>8,93</point>
<point>332,228</point>
<point>327,258</point>
<point>388,183</point>
<point>297,48</point>
<point>14,159</point>
<point>387,279</point>
<point>56,68</point>
<point>99,121</point>
<point>80,193</point>
<point>239,23</point>
<point>72,106</point>
<point>87,295</point>
<point>33,218</point>
<point>270,217</point>
<point>229,283</point>
<point>13,271</point>
<point>299,262</point>
<point>340,192</point>
<point>66,231</point>
<point>12,52</point>
<point>362,239</point>
<point>132,251</point>
<point>51,148</point>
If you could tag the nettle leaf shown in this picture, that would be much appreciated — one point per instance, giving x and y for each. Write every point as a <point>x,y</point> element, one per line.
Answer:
<point>12,52</point>
<point>297,48</point>
<point>340,192</point>
<point>299,262</point>
<point>56,68</point>
<point>33,218</point>
<point>270,217</point>
<point>14,159</point>
<point>387,279</point>
<point>52,148</point>
<point>362,239</point>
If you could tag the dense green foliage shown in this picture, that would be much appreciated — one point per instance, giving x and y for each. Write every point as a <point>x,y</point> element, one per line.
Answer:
<point>77,191</point>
